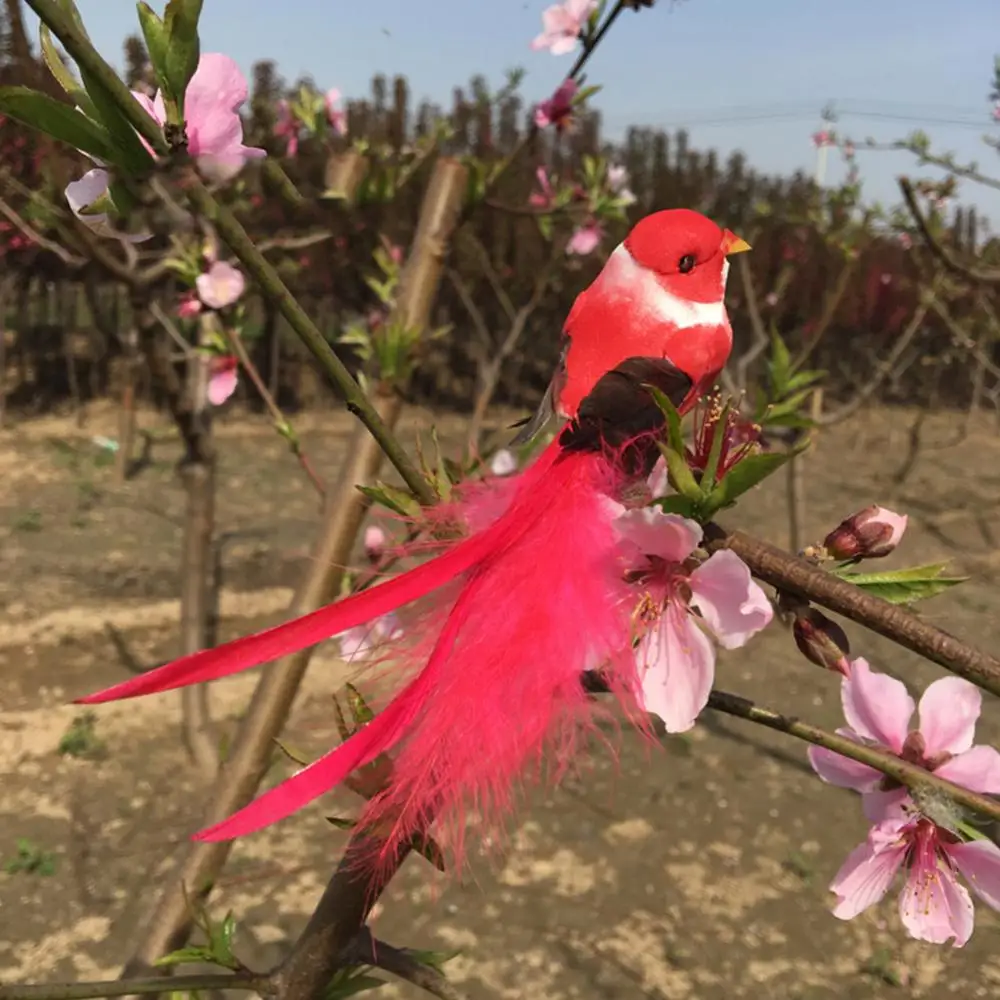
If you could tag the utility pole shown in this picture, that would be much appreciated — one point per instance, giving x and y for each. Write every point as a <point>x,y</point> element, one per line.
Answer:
<point>822,138</point>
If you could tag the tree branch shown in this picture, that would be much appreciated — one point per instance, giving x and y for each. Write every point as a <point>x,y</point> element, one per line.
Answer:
<point>988,275</point>
<point>797,576</point>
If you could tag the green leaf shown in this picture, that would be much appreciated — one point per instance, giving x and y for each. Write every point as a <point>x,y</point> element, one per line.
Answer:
<point>180,20</point>
<point>903,586</point>
<point>358,706</point>
<point>676,504</point>
<point>675,437</point>
<point>715,452</point>
<point>184,956</point>
<point>433,959</point>
<point>293,754</point>
<point>155,35</point>
<point>395,499</point>
<point>348,982</point>
<point>222,940</point>
<point>802,379</point>
<point>681,475</point>
<point>61,72</point>
<point>74,14</point>
<point>743,476</point>
<point>340,823</point>
<point>789,406</point>
<point>780,365</point>
<point>61,121</point>
<point>130,152</point>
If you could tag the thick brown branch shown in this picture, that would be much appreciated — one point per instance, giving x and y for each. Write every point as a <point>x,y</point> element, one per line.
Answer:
<point>797,576</point>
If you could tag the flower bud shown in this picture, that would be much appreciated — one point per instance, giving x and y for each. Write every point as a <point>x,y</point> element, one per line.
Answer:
<point>869,534</point>
<point>822,641</point>
<point>503,463</point>
<point>374,543</point>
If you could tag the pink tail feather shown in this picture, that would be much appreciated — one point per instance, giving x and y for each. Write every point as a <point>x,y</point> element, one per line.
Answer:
<point>377,737</point>
<point>324,623</point>
<point>502,683</point>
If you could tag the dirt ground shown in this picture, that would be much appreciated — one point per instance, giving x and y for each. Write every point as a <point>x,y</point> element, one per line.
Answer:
<point>698,871</point>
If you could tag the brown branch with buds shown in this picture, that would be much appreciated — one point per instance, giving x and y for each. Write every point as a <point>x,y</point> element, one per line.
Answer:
<point>980,275</point>
<point>794,575</point>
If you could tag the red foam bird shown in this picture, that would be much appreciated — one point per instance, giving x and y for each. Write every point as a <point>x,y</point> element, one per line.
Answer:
<point>495,666</point>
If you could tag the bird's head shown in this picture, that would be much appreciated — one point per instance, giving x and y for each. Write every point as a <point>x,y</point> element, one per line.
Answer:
<point>686,251</point>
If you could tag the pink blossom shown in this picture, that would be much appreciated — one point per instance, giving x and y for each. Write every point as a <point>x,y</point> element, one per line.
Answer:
<point>996,111</point>
<point>658,480</point>
<point>223,378</point>
<point>558,109</point>
<point>933,906</point>
<point>675,656</point>
<point>562,24</point>
<point>211,112</point>
<point>824,137</point>
<point>189,306</point>
<point>357,644</point>
<point>221,285</point>
<point>871,533</point>
<point>335,114</point>
<point>617,177</point>
<point>503,462</point>
<point>87,190</point>
<point>374,542</point>
<point>878,712</point>
<point>906,241</point>
<point>543,198</point>
<point>585,239</point>
<point>287,127</point>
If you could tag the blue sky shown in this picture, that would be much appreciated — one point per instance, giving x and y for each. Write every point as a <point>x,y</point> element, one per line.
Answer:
<point>761,70</point>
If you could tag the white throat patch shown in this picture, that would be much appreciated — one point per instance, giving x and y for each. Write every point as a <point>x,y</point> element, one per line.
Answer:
<point>622,275</point>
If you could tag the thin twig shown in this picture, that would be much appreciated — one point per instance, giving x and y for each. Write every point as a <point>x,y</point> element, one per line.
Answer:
<point>401,963</point>
<point>982,275</point>
<point>71,260</point>
<point>280,421</point>
<point>883,370</point>
<point>133,987</point>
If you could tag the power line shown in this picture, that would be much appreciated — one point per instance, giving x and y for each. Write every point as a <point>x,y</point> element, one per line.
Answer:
<point>790,116</point>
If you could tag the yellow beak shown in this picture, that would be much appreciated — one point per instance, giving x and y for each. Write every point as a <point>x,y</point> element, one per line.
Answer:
<point>731,243</point>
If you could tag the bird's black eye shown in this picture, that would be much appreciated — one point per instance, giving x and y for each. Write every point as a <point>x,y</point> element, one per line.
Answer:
<point>686,263</point>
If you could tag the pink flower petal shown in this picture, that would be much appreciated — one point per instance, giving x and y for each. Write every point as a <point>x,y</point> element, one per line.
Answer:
<point>584,240</point>
<point>886,806</point>
<point>979,863</point>
<point>677,665</point>
<point>733,606</point>
<point>948,710</point>
<point>221,385</point>
<point>218,80</point>
<point>87,189</point>
<point>876,707</point>
<point>978,769</point>
<point>653,533</point>
<point>934,907</point>
<point>835,769</point>
<point>221,285</point>
<point>865,877</point>
<point>83,192</point>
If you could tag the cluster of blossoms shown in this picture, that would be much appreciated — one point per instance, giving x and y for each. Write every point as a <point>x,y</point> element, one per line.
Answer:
<point>921,840</point>
<point>607,195</point>
<point>308,114</point>
<point>218,286</point>
<point>214,132</point>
